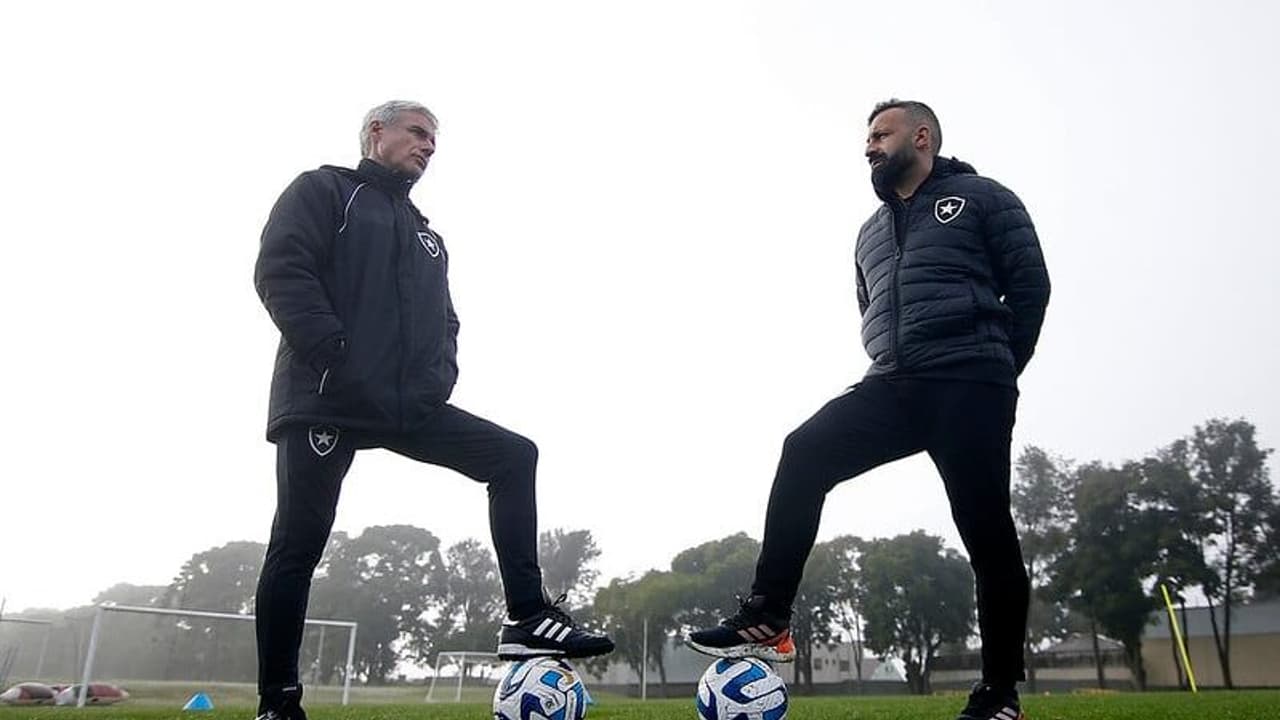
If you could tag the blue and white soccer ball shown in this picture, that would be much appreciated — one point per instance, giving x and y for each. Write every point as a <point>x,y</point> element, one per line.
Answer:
<point>746,689</point>
<point>542,688</point>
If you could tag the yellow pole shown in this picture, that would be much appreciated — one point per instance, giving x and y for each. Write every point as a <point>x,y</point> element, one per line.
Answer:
<point>1177,634</point>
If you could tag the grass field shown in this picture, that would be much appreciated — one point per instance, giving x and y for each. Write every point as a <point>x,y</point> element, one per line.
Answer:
<point>1240,705</point>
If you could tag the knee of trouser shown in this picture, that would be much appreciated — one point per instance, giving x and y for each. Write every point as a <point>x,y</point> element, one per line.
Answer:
<point>799,445</point>
<point>802,452</point>
<point>526,451</point>
<point>302,550</point>
<point>521,457</point>
<point>997,554</point>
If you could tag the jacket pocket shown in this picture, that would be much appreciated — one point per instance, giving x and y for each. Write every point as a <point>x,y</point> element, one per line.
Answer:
<point>951,317</point>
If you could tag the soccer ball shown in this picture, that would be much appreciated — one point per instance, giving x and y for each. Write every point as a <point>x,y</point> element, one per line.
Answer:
<point>746,689</point>
<point>542,688</point>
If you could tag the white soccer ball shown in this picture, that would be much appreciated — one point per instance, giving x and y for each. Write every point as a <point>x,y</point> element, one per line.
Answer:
<point>746,689</point>
<point>542,688</point>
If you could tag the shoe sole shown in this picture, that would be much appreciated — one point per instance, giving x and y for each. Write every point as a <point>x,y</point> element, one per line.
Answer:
<point>737,652</point>
<point>516,651</point>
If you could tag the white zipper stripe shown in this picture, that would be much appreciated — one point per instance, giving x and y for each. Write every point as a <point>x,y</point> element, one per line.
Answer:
<point>347,209</point>
<point>324,377</point>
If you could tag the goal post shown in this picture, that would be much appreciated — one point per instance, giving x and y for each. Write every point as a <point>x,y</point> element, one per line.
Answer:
<point>460,657</point>
<point>44,640</point>
<point>101,610</point>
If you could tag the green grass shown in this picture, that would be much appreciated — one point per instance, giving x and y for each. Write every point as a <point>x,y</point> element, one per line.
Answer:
<point>1241,705</point>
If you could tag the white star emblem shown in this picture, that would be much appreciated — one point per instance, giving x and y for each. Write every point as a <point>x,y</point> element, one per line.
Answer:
<point>323,439</point>
<point>948,208</point>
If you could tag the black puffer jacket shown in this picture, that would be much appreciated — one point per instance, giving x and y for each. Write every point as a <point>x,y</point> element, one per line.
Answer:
<point>358,285</point>
<point>951,283</point>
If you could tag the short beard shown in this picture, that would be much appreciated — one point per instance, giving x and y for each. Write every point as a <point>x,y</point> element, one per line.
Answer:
<point>885,178</point>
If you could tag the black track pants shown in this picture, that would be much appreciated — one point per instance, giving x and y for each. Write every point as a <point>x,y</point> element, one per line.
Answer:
<point>310,465</point>
<point>966,429</point>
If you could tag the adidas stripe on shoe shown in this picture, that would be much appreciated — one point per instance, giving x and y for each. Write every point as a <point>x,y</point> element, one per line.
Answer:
<point>988,702</point>
<point>550,632</point>
<point>752,632</point>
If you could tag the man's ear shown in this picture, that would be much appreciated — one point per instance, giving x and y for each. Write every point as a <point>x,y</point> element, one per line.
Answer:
<point>923,138</point>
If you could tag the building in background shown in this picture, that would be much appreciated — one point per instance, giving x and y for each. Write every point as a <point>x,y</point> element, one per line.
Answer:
<point>1255,647</point>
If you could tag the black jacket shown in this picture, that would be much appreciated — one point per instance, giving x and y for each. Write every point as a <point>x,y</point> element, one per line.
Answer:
<point>951,282</point>
<point>358,285</point>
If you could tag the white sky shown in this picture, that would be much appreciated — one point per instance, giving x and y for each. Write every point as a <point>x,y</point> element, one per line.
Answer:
<point>650,210</point>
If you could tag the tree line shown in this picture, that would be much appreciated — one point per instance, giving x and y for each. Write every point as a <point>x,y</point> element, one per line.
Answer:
<point>1199,515</point>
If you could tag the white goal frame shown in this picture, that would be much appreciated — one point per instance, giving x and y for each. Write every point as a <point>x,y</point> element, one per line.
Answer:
<point>103,609</point>
<point>44,642</point>
<point>459,656</point>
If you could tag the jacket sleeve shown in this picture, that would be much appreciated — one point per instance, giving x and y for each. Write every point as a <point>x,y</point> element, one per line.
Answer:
<point>1020,273</point>
<point>295,246</point>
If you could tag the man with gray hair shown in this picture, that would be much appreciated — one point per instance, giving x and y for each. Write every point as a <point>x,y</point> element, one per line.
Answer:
<point>357,282</point>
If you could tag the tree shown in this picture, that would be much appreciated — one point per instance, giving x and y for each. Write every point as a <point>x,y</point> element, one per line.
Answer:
<point>390,579</point>
<point>814,610</point>
<point>1180,516</point>
<point>1267,585</point>
<point>629,607</point>
<point>696,592</point>
<point>617,609</point>
<point>567,559</point>
<point>1041,506</point>
<point>221,579</point>
<point>718,569</point>
<point>847,608</point>
<point>473,606</point>
<point>659,596</point>
<point>128,594</point>
<point>1112,551</point>
<point>1225,460</point>
<point>916,596</point>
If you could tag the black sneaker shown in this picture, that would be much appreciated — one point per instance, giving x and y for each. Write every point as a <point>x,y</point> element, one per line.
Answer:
<point>753,632</point>
<point>991,702</point>
<point>285,704</point>
<point>549,633</point>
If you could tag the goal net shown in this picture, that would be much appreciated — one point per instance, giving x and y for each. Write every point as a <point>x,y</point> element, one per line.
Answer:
<point>16,635</point>
<point>164,655</point>
<point>464,675</point>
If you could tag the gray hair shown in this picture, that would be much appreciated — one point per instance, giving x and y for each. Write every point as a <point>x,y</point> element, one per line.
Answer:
<point>386,113</point>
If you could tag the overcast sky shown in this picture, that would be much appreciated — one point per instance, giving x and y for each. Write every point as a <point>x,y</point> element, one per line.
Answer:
<point>650,210</point>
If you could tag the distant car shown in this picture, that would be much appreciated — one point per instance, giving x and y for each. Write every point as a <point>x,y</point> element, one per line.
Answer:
<point>99,694</point>
<point>28,693</point>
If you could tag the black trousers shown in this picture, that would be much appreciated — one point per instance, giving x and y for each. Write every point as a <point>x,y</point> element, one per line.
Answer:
<point>966,428</point>
<point>310,465</point>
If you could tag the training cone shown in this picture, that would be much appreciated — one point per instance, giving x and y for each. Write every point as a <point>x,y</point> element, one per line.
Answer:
<point>199,701</point>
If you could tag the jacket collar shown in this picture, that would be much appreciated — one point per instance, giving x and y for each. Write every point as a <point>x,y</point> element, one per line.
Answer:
<point>392,181</point>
